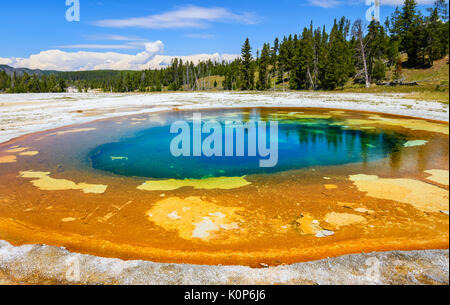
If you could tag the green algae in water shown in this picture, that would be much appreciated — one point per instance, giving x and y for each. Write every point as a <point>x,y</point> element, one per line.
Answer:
<point>302,142</point>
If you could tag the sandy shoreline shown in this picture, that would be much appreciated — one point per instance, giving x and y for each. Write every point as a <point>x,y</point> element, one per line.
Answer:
<point>27,113</point>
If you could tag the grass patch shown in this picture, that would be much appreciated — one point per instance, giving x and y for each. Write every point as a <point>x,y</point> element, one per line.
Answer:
<point>429,96</point>
<point>433,84</point>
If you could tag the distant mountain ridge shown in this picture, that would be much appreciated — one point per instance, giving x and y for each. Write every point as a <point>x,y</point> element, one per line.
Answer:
<point>20,71</point>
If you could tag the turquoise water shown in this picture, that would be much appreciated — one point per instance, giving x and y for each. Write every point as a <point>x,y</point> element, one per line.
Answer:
<point>301,143</point>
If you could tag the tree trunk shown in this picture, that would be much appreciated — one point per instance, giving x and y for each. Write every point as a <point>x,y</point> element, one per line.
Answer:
<point>310,78</point>
<point>363,54</point>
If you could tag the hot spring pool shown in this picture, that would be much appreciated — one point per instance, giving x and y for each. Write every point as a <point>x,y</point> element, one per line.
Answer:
<point>303,141</point>
<point>344,182</point>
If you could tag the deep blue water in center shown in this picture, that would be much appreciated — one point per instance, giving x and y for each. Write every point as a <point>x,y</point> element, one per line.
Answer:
<point>301,143</point>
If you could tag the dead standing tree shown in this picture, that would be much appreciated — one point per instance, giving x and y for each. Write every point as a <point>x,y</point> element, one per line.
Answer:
<point>358,34</point>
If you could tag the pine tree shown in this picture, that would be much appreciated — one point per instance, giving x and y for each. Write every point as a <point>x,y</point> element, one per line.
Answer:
<point>246,66</point>
<point>437,30</point>
<point>283,60</point>
<point>433,44</point>
<point>263,65</point>
<point>338,63</point>
<point>303,62</point>
<point>274,57</point>
<point>378,56</point>
<point>5,81</point>
<point>410,33</point>
<point>398,72</point>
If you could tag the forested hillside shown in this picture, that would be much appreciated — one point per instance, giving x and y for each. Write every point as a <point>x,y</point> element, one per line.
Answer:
<point>314,59</point>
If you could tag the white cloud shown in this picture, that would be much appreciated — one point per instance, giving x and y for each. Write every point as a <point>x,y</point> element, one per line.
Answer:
<point>325,3</point>
<point>5,61</point>
<point>150,58</point>
<point>200,36</point>
<point>99,46</point>
<point>113,37</point>
<point>183,17</point>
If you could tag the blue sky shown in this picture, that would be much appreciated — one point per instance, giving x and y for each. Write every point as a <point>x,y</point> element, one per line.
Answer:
<point>29,27</point>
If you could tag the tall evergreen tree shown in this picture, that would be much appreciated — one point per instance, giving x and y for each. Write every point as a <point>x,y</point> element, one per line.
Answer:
<point>274,57</point>
<point>263,65</point>
<point>246,66</point>
<point>410,34</point>
<point>339,64</point>
<point>378,52</point>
